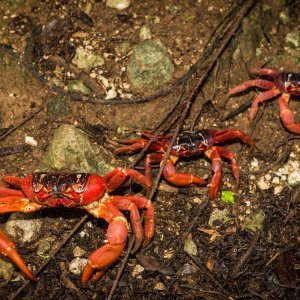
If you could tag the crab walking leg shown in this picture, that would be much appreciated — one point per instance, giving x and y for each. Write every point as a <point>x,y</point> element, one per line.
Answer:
<point>116,177</point>
<point>117,231</point>
<point>13,180</point>
<point>17,204</point>
<point>215,158</point>
<point>265,71</point>
<point>228,135</point>
<point>7,247</point>
<point>229,155</point>
<point>133,147</point>
<point>286,114</point>
<point>261,98</point>
<point>260,83</point>
<point>152,158</point>
<point>10,192</point>
<point>132,203</point>
<point>180,179</point>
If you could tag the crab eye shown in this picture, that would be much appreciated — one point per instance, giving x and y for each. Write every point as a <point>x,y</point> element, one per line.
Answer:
<point>77,187</point>
<point>63,187</point>
<point>37,187</point>
<point>47,188</point>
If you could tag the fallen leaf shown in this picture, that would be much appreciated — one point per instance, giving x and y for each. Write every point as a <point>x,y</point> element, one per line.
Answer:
<point>151,263</point>
<point>210,264</point>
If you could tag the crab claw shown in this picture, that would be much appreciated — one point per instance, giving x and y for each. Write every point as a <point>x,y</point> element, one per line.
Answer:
<point>99,260</point>
<point>7,248</point>
<point>103,257</point>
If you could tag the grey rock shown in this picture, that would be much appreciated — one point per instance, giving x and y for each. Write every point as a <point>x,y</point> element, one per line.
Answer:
<point>59,106</point>
<point>292,39</point>
<point>78,86</point>
<point>150,66</point>
<point>145,33</point>
<point>86,60</point>
<point>6,270</point>
<point>24,228</point>
<point>71,149</point>
<point>254,221</point>
<point>218,217</point>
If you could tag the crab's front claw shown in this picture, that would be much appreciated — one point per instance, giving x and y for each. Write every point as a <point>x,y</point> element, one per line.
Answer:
<point>7,248</point>
<point>103,257</point>
<point>99,260</point>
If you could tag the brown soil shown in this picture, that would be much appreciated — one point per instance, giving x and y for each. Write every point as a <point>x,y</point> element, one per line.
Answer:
<point>184,34</point>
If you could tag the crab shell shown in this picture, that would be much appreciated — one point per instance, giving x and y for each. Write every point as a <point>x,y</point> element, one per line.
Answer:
<point>51,189</point>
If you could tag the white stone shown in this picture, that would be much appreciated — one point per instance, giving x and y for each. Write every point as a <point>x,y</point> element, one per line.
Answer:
<point>138,269</point>
<point>263,185</point>
<point>276,180</point>
<point>254,163</point>
<point>77,265</point>
<point>268,177</point>
<point>118,4</point>
<point>22,228</point>
<point>294,178</point>
<point>29,140</point>
<point>78,252</point>
<point>278,189</point>
<point>111,94</point>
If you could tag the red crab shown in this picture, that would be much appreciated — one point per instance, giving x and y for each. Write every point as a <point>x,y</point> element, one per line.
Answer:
<point>284,84</point>
<point>189,144</point>
<point>85,191</point>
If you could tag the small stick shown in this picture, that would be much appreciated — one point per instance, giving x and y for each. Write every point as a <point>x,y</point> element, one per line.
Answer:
<point>14,149</point>
<point>245,256</point>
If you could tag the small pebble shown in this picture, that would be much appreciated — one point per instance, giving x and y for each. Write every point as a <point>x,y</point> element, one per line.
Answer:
<point>263,185</point>
<point>278,189</point>
<point>159,286</point>
<point>77,265</point>
<point>138,269</point>
<point>78,252</point>
<point>30,141</point>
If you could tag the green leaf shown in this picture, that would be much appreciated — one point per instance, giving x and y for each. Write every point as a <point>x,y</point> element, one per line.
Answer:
<point>227,196</point>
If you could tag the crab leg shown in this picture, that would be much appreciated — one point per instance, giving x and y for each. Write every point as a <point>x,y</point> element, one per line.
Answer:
<point>228,135</point>
<point>260,83</point>
<point>180,179</point>
<point>13,180</point>
<point>152,159</point>
<point>229,155</point>
<point>10,192</point>
<point>215,158</point>
<point>7,248</point>
<point>103,257</point>
<point>265,71</point>
<point>132,203</point>
<point>286,114</point>
<point>116,177</point>
<point>134,145</point>
<point>12,203</point>
<point>17,204</point>
<point>260,98</point>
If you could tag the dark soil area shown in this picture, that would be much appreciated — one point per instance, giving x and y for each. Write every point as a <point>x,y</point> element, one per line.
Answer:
<point>39,39</point>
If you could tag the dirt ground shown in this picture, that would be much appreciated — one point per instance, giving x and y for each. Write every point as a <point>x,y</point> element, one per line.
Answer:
<point>232,263</point>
